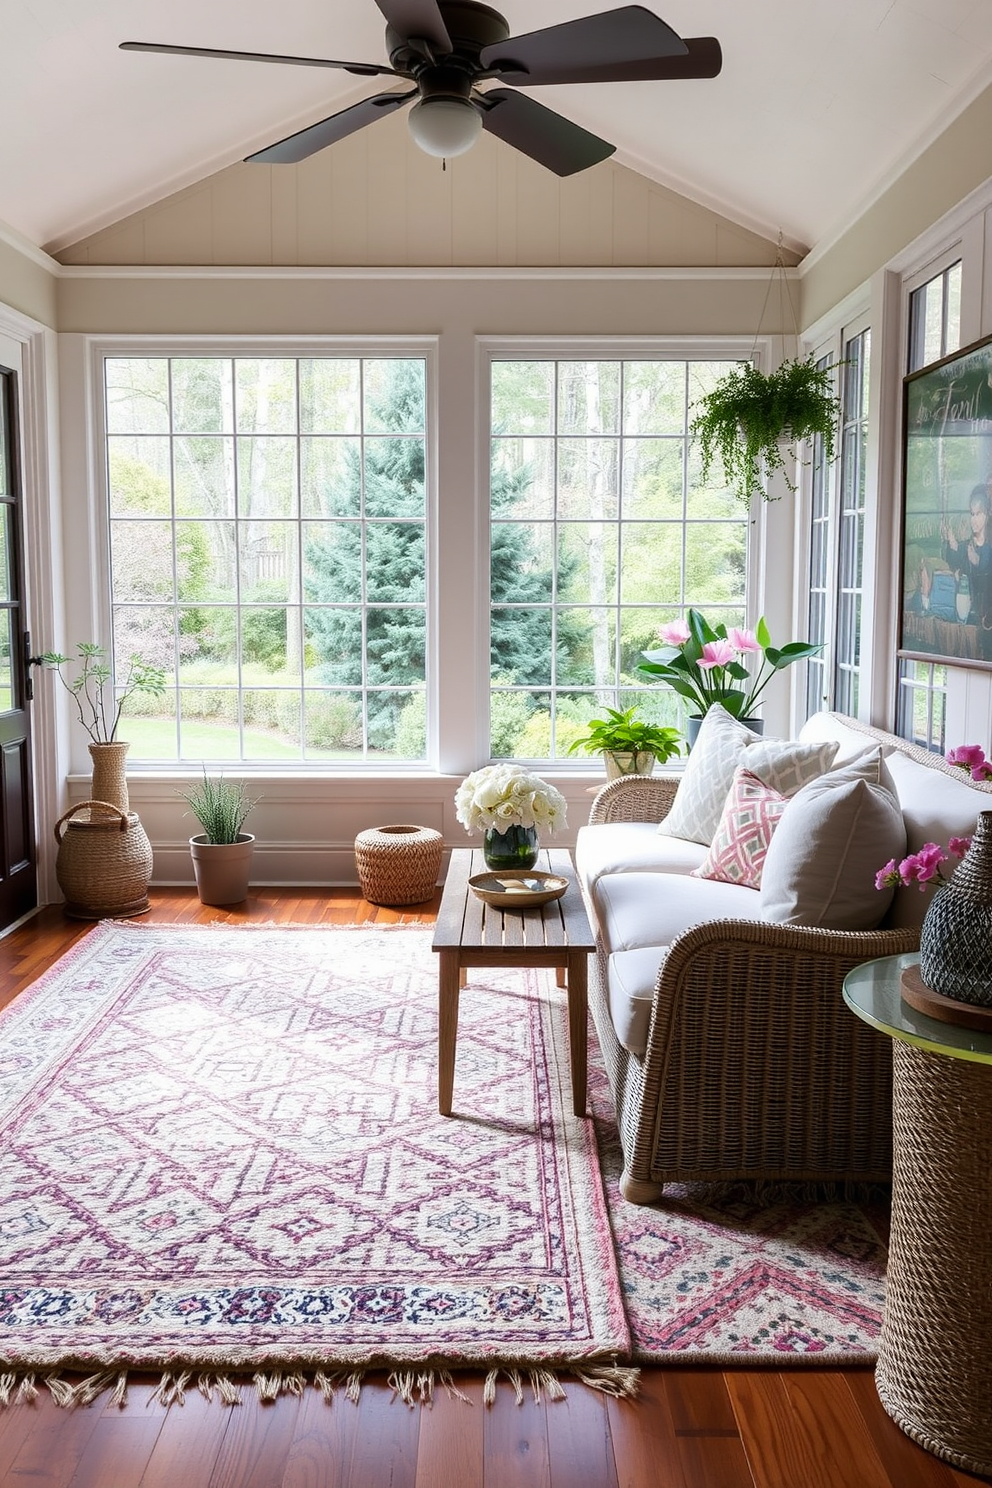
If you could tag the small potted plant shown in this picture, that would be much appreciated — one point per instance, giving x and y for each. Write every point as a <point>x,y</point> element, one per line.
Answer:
<point>629,745</point>
<point>222,852</point>
<point>750,414</point>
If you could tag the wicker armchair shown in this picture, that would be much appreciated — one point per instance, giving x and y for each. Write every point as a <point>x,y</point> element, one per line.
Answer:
<point>754,1067</point>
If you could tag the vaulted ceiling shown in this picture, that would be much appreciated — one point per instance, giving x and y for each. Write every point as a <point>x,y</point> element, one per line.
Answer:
<point>819,103</point>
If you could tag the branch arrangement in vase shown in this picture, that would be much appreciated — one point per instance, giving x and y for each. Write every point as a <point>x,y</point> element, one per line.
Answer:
<point>94,683</point>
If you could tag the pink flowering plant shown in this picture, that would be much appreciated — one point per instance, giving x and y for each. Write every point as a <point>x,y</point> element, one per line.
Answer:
<point>923,867</point>
<point>970,757</point>
<point>707,664</point>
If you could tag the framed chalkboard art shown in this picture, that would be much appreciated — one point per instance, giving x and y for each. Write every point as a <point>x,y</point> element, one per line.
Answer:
<point>947,520</point>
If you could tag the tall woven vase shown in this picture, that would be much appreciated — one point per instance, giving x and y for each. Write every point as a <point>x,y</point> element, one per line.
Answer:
<point>956,935</point>
<point>109,777</point>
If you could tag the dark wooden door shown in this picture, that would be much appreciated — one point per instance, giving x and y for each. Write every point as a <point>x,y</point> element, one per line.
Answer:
<point>18,870</point>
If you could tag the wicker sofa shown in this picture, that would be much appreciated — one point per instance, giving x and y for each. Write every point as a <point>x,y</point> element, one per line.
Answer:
<point>748,1064</point>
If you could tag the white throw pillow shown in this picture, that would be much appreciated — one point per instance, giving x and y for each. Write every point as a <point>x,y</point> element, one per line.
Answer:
<point>831,840</point>
<point>709,772</point>
<point>724,744</point>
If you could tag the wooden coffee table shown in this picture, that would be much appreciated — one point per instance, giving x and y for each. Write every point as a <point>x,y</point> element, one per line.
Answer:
<point>472,933</point>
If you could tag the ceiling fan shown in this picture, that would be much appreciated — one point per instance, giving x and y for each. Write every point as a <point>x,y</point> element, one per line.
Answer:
<point>446,48</point>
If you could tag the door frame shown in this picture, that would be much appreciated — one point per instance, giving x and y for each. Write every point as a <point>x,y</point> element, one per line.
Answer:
<point>36,363</point>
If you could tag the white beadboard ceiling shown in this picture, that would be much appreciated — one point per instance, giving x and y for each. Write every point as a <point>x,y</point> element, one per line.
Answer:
<point>818,104</point>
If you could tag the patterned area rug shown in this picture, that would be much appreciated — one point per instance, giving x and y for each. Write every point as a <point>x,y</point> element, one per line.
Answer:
<point>221,1154</point>
<point>718,1274</point>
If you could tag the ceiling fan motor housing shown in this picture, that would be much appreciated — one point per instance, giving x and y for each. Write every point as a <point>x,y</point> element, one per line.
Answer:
<point>470,27</point>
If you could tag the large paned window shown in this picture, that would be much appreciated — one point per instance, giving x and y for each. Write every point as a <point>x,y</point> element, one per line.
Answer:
<point>268,549</point>
<point>837,541</point>
<point>851,522</point>
<point>934,332</point>
<point>602,530</point>
<point>821,575</point>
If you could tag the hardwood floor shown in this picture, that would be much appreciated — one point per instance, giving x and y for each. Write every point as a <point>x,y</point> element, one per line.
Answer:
<point>691,1428</point>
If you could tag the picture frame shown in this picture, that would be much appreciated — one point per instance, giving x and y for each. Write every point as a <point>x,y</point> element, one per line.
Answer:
<point>946,598</point>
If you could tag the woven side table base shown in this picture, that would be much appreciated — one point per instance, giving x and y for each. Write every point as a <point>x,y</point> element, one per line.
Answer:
<point>934,1372</point>
<point>398,864</point>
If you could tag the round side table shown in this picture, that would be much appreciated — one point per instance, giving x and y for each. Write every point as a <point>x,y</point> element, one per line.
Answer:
<point>934,1371</point>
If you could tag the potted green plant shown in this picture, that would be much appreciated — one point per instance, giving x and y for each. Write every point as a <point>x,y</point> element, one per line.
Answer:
<point>222,852</point>
<point>704,664</point>
<point>629,745</point>
<point>750,414</point>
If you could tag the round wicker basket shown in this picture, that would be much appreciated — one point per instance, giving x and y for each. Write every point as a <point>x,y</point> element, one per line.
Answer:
<point>398,864</point>
<point>104,861</point>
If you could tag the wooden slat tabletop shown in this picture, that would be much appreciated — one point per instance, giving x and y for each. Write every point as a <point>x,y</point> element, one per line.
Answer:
<point>465,922</point>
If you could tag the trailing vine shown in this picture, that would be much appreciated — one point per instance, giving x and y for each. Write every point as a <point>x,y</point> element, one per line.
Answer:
<point>748,412</point>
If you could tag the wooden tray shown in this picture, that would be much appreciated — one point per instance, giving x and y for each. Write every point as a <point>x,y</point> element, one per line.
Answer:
<point>945,1009</point>
<point>523,889</point>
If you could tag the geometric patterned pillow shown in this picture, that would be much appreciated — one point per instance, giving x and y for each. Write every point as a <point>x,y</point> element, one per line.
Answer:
<point>752,812</point>
<point>788,765</point>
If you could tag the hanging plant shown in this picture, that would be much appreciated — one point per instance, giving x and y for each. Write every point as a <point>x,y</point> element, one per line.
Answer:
<point>749,412</point>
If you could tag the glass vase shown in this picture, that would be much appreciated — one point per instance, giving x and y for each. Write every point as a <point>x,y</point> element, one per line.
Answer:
<point>514,848</point>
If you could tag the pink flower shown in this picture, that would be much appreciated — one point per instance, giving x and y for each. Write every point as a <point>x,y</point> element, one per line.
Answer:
<point>716,654</point>
<point>676,633</point>
<point>744,640</point>
<point>970,757</point>
<point>888,877</point>
<point>923,866</point>
<point>958,846</point>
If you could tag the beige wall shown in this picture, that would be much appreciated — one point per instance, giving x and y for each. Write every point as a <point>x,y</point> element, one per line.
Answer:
<point>327,302</point>
<point>376,199</point>
<point>26,284</point>
<point>957,162</point>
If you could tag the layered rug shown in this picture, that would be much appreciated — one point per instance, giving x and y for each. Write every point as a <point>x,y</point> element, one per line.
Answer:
<point>221,1159</point>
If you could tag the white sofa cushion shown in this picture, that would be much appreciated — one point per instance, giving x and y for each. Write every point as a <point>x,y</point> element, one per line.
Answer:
<point>634,847</point>
<point>830,842</point>
<point>632,977</point>
<point>650,909</point>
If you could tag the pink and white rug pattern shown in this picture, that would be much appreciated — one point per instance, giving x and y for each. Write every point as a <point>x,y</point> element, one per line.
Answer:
<point>221,1149</point>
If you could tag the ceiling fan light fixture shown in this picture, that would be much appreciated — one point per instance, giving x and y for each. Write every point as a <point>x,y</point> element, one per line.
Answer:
<point>445,127</point>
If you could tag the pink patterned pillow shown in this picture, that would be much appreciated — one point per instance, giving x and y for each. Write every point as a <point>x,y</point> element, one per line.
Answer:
<point>750,816</point>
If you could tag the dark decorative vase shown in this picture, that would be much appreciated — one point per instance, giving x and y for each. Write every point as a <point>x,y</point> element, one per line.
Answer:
<point>694,723</point>
<point>956,935</point>
<point>514,848</point>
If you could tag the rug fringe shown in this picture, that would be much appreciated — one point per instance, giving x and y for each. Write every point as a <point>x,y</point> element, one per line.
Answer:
<point>414,1386</point>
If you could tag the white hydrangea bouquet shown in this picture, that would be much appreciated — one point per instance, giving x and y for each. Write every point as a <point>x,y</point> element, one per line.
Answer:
<point>498,797</point>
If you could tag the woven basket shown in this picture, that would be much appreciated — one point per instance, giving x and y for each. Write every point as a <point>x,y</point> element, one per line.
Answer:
<point>104,861</point>
<point>398,864</point>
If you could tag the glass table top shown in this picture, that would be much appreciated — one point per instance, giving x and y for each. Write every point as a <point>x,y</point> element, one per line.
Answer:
<point>872,990</point>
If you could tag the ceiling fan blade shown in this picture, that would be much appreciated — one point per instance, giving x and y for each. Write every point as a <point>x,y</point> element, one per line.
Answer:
<point>420,18</point>
<point>308,141</point>
<point>366,69</point>
<point>605,40</point>
<point>703,59</point>
<point>537,131</point>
